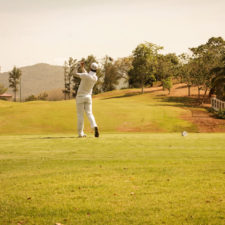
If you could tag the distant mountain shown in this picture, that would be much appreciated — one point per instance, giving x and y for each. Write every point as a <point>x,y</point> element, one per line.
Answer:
<point>37,78</point>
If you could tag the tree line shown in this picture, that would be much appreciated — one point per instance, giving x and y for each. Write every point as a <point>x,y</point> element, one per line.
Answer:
<point>203,66</point>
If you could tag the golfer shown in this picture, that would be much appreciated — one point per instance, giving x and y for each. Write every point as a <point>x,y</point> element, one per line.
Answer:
<point>84,99</point>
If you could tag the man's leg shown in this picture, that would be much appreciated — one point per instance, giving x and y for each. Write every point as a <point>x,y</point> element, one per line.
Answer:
<point>80,118</point>
<point>91,118</point>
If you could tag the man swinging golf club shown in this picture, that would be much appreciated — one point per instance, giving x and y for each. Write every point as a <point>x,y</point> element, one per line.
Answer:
<point>84,99</point>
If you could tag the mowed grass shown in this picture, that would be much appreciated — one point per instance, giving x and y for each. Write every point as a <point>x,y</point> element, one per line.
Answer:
<point>117,179</point>
<point>114,112</point>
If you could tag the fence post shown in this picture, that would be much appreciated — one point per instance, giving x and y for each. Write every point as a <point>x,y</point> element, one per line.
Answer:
<point>213,101</point>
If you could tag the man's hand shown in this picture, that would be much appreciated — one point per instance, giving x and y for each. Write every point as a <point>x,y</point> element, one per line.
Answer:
<point>82,64</point>
<point>82,67</point>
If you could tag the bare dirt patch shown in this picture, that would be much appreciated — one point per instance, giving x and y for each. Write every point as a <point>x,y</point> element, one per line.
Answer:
<point>205,121</point>
<point>127,127</point>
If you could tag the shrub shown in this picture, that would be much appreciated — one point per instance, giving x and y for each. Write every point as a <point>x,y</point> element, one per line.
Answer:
<point>221,114</point>
<point>167,84</point>
<point>31,98</point>
<point>43,96</point>
<point>211,110</point>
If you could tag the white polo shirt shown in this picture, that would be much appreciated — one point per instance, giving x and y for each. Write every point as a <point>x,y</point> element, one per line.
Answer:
<point>87,83</point>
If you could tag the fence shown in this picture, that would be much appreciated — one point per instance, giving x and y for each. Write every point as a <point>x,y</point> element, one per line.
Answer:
<point>217,104</point>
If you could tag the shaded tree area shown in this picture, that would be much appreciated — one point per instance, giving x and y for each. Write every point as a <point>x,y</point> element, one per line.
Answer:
<point>202,66</point>
<point>218,81</point>
<point>205,58</point>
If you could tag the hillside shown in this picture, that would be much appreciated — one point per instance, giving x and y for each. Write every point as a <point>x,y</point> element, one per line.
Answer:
<point>37,78</point>
<point>116,111</point>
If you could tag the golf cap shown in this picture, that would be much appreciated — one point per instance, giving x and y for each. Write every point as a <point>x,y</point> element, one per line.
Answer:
<point>94,66</point>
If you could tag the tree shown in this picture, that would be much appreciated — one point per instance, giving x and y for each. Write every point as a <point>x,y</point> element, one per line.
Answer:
<point>2,89</point>
<point>197,73</point>
<point>144,65</point>
<point>14,78</point>
<point>167,68</point>
<point>218,82</point>
<point>124,65</point>
<point>167,83</point>
<point>72,63</point>
<point>206,57</point>
<point>111,74</point>
<point>65,90</point>
<point>184,71</point>
<point>69,67</point>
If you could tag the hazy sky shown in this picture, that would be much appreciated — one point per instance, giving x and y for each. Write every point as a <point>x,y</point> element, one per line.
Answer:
<point>33,31</point>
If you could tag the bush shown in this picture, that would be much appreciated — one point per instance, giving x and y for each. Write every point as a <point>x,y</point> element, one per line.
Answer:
<point>31,98</point>
<point>211,110</point>
<point>221,114</point>
<point>43,96</point>
<point>167,84</point>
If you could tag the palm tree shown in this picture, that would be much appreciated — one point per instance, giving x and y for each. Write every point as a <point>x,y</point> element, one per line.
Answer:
<point>14,78</point>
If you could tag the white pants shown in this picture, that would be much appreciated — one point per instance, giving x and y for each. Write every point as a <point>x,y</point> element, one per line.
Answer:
<point>84,104</point>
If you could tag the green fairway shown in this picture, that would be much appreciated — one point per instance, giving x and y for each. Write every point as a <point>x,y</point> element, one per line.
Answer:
<point>115,111</point>
<point>117,179</point>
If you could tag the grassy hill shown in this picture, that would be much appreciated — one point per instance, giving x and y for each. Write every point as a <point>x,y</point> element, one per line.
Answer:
<point>37,78</point>
<point>116,111</point>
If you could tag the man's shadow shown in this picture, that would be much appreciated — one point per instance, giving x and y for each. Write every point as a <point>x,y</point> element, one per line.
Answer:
<point>50,137</point>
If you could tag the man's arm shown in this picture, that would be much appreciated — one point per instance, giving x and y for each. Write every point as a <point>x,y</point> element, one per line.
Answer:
<point>84,72</point>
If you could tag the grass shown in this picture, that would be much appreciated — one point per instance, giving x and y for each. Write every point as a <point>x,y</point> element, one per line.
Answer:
<point>116,179</point>
<point>116,111</point>
<point>140,171</point>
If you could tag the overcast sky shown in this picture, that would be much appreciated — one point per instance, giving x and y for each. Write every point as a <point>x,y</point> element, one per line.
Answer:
<point>50,31</point>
